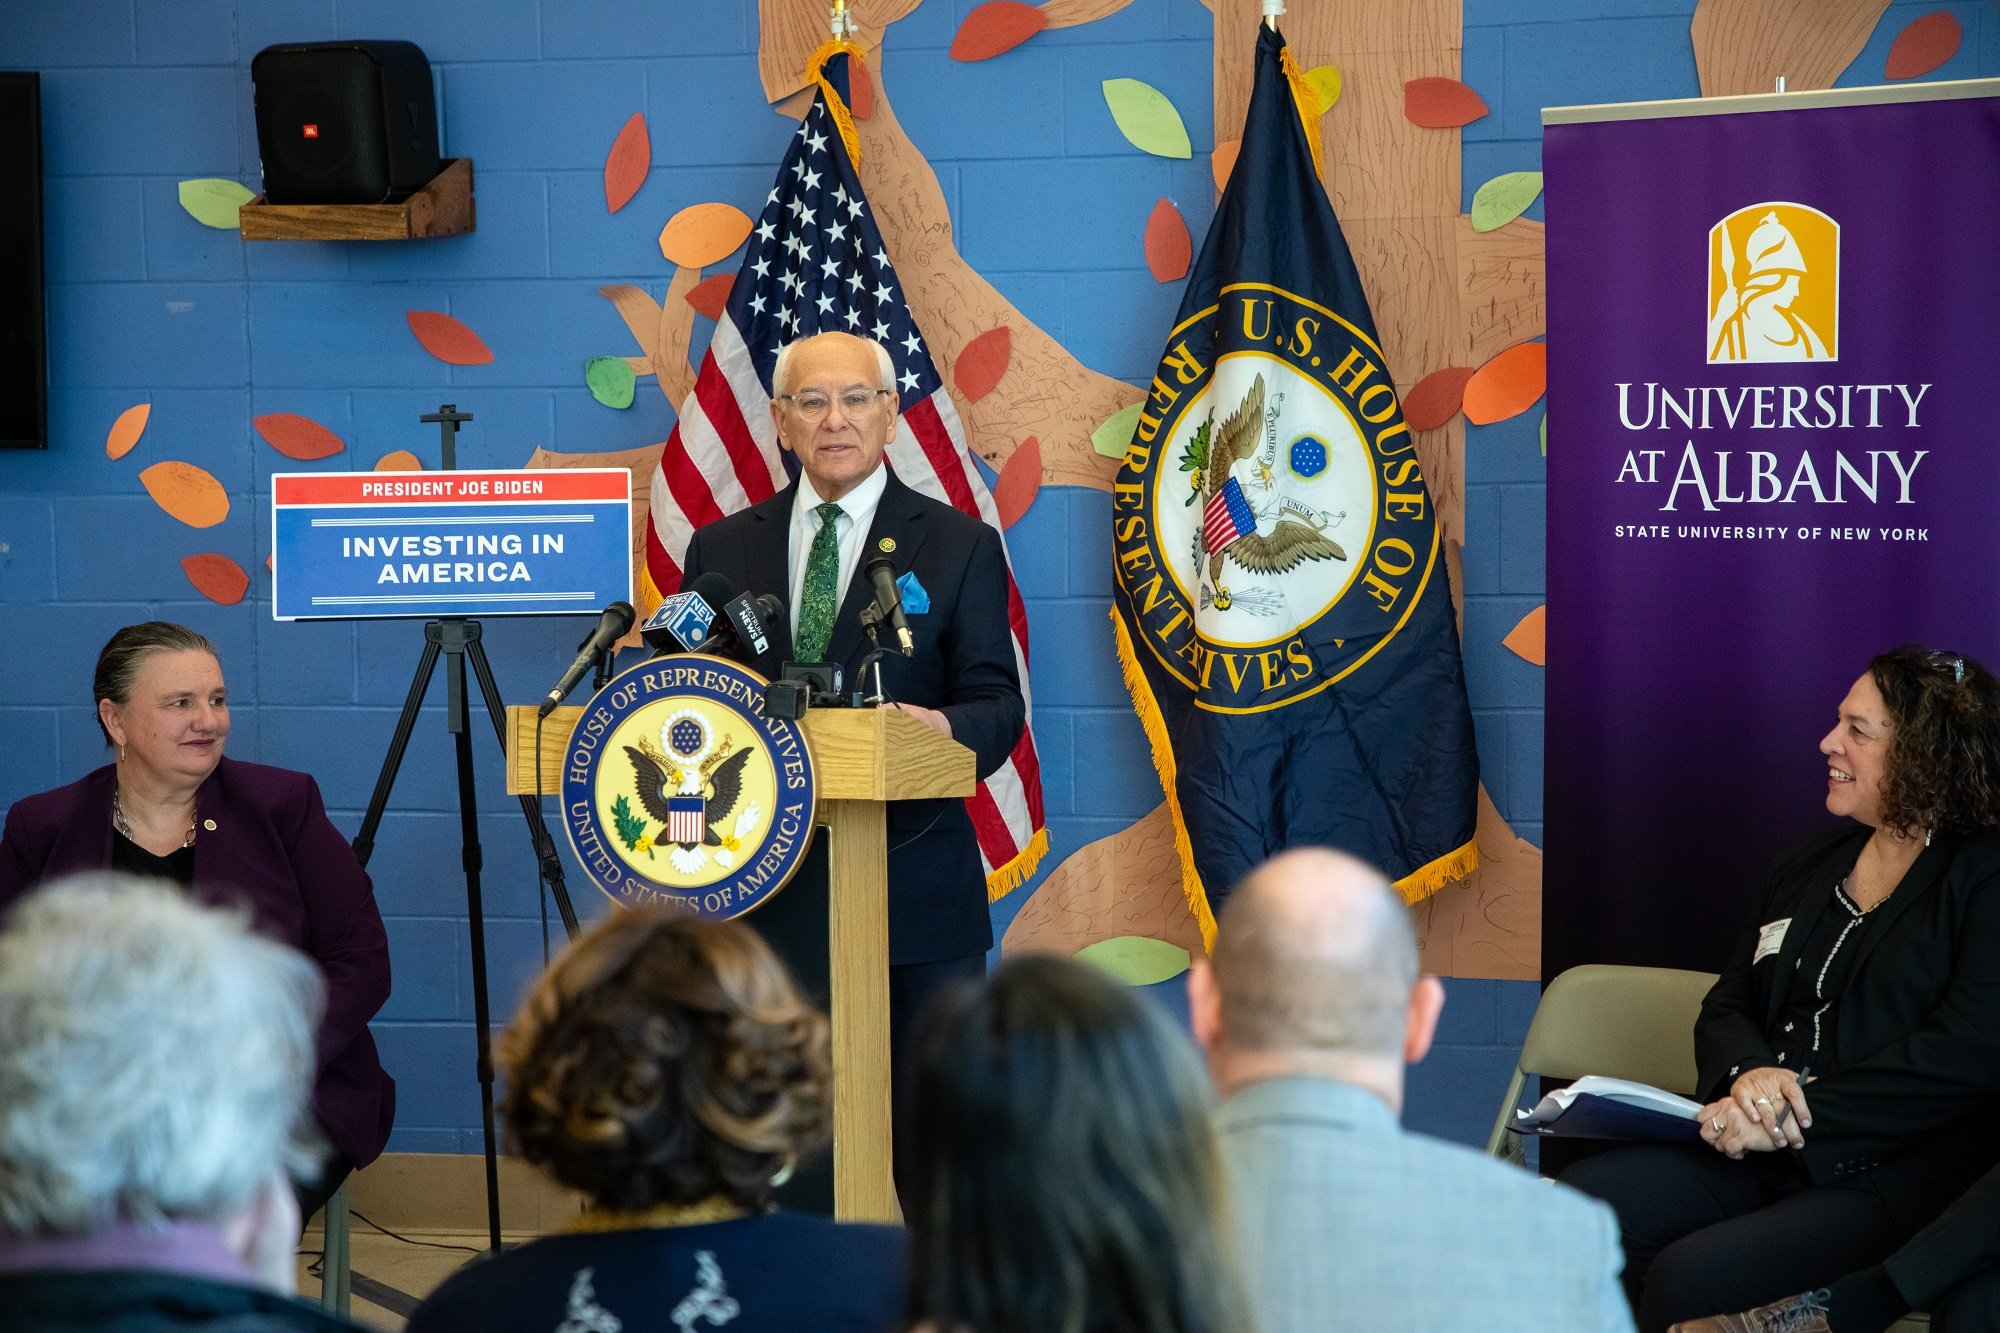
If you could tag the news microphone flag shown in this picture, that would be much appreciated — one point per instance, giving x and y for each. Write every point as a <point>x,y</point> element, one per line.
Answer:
<point>816,263</point>
<point>685,615</point>
<point>1280,608</point>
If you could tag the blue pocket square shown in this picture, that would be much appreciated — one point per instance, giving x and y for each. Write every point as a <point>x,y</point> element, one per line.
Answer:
<point>915,600</point>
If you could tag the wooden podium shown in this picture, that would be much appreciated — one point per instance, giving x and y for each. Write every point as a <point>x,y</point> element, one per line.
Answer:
<point>862,757</point>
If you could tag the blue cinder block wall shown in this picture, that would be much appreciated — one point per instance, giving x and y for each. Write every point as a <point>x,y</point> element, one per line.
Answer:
<point>1048,201</point>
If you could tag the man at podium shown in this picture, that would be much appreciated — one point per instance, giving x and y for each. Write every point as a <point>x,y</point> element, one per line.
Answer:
<point>836,410</point>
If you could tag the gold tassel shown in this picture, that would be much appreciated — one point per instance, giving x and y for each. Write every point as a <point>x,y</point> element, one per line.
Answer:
<point>1308,104</point>
<point>843,119</point>
<point>1422,882</point>
<point>1005,879</point>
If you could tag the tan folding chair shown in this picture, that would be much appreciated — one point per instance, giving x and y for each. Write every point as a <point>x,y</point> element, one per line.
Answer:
<point>1622,1022</point>
<point>336,1263</point>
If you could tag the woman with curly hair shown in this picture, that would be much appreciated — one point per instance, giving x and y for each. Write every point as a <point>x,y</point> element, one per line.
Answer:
<point>1063,1173</point>
<point>666,1069</point>
<point>1849,1053</point>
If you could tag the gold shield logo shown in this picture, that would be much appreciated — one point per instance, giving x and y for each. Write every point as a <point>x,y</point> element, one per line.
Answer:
<point>1774,285</point>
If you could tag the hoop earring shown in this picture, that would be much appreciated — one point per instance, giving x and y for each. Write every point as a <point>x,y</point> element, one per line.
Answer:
<point>785,1172</point>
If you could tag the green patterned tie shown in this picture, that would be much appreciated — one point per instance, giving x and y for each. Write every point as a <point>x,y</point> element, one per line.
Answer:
<point>822,590</point>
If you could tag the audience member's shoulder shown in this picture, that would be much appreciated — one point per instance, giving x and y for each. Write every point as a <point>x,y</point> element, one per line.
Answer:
<point>1504,1182</point>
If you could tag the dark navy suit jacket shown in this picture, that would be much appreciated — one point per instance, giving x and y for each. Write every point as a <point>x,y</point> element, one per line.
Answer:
<point>272,849</point>
<point>963,666</point>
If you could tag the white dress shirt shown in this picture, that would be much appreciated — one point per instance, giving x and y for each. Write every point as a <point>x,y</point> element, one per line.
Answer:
<point>856,517</point>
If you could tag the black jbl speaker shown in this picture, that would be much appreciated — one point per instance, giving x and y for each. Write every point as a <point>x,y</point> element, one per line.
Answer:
<point>344,122</point>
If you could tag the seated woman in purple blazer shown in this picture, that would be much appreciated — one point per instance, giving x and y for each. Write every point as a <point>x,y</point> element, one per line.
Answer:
<point>172,807</point>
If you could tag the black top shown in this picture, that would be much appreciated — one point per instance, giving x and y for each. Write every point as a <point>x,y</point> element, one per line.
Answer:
<point>779,1272</point>
<point>137,1301</point>
<point>1802,1036</point>
<point>130,857</point>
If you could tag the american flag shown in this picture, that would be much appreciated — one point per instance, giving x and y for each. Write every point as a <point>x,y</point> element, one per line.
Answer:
<point>814,263</point>
<point>1227,516</point>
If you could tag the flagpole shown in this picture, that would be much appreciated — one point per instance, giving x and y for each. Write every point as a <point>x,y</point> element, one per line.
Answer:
<point>842,22</point>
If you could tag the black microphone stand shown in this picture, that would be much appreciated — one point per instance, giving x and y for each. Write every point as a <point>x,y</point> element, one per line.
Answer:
<point>458,639</point>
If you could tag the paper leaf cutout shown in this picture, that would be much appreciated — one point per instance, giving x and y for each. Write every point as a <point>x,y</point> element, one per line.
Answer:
<point>1168,247</point>
<point>982,363</point>
<point>626,165</point>
<point>1504,198</point>
<point>703,234</point>
<point>1114,433</point>
<point>1136,960</point>
<point>214,203</point>
<point>610,379</point>
<point>998,25</point>
<point>447,339</point>
<point>1223,161</point>
<point>710,296</point>
<point>216,577</point>
<point>1147,118</point>
<point>1434,399</point>
<point>1529,639</point>
<point>297,437</point>
<point>1922,46</point>
<point>1019,481</point>
<point>186,493</point>
<point>1441,104</point>
<point>860,90</point>
<point>402,460</point>
<point>125,431</point>
<point>1508,385</point>
<point>1324,80</point>
<point>1545,435</point>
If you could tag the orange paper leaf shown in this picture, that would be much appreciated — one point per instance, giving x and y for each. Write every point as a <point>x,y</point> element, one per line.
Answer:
<point>1019,480</point>
<point>626,165</point>
<point>1508,385</point>
<point>448,340</point>
<point>982,363</point>
<point>1434,399</point>
<point>1168,248</point>
<point>1529,639</point>
<point>1223,161</point>
<point>125,431</point>
<point>860,90</point>
<point>400,461</point>
<point>996,26</point>
<point>216,577</point>
<point>1922,46</point>
<point>710,296</point>
<point>187,493</point>
<point>1441,104</point>
<point>703,234</point>
<point>298,437</point>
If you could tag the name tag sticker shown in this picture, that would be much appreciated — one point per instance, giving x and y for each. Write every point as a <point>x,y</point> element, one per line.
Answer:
<point>1770,939</point>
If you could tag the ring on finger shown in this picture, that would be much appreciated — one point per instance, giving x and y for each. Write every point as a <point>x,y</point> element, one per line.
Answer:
<point>1716,1124</point>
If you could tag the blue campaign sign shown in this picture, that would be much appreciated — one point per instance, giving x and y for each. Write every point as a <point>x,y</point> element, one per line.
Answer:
<point>367,544</point>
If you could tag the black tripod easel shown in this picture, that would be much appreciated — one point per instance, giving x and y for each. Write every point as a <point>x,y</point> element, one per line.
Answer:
<point>457,638</point>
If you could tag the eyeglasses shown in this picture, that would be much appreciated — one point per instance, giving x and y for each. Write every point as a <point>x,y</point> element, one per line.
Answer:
<point>813,405</point>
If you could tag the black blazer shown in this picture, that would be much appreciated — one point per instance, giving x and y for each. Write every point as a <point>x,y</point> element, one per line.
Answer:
<point>1917,1035</point>
<point>963,666</point>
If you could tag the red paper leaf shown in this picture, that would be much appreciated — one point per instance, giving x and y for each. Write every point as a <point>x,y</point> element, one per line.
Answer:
<point>216,577</point>
<point>1922,46</point>
<point>1019,481</point>
<point>710,296</point>
<point>860,90</point>
<point>982,363</point>
<point>1434,399</point>
<point>1441,104</point>
<point>996,26</point>
<point>626,165</point>
<point>1168,248</point>
<point>125,431</point>
<point>1508,385</point>
<point>298,437</point>
<point>448,340</point>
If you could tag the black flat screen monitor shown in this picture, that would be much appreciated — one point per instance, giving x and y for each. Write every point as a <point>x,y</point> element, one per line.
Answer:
<point>24,351</point>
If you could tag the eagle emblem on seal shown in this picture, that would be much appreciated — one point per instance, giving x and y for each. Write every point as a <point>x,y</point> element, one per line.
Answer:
<point>692,784</point>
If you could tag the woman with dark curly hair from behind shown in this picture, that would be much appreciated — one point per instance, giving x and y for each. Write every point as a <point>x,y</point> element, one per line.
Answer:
<point>666,1068</point>
<point>1063,1173</point>
<point>1849,1053</point>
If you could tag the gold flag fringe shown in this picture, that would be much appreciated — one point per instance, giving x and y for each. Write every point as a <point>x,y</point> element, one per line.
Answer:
<point>1308,104</point>
<point>843,119</point>
<point>1005,879</point>
<point>1454,865</point>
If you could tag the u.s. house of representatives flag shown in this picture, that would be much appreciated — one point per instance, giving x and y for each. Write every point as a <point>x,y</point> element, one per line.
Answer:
<point>814,264</point>
<point>1281,605</point>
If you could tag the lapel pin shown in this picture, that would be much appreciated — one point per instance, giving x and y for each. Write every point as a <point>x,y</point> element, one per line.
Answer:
<point>886,545</point>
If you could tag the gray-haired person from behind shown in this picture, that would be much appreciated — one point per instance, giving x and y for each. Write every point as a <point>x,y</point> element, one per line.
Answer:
<point>155,1060</point>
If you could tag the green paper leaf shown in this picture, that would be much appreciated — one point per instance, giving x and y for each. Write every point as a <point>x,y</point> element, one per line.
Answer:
<point>213,203</point>
<point>1147,118</point>
<point>1545,435</point>
<point>1115,433</point>
<point>610,379</point>
<point>1504,198</point>
<point>1136,960</point>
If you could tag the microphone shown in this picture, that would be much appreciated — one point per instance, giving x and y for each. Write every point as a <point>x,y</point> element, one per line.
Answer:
<point>747,618</point>
<point>611,627</point>
<point>682,622</point>
<point>882,573</point>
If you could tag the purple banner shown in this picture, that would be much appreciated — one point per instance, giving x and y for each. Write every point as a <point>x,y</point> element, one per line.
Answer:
<point>1774,392</point>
